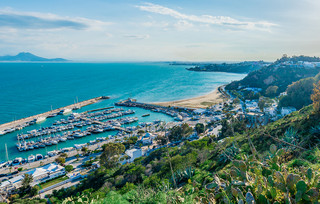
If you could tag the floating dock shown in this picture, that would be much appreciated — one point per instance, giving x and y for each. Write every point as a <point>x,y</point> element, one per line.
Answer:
<point>18,124</point>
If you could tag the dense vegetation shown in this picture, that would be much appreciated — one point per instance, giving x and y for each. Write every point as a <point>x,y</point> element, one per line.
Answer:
<point>299,93</point>
<point>276,75</point>
<point>296,59</point>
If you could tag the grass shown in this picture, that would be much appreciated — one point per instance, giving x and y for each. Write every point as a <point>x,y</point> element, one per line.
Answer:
<point>207,104</point>
<point>53,181</point>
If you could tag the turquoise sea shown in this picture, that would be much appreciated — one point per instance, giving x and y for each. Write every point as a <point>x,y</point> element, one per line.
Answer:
<point>31,88</point>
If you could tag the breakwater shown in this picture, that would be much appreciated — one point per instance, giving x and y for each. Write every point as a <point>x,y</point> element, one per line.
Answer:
<point>172,111</point>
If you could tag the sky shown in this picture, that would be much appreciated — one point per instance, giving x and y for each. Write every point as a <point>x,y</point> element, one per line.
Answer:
<point>181,30</point>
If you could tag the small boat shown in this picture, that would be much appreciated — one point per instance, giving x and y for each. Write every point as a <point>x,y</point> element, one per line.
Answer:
<point>40,119</point>
<point>63,139</point>
<point>17,161</point>
<point>52,153</point>
<point>54,142</point>
<point>39,157</point>
<point>31,158</point>
<point>47,143</point>
<point>78,135</point>
<point>30,147</point>
<point>52,115</point>
<point>67,111</point>
<point>145,115</point>
<point>70,138</point>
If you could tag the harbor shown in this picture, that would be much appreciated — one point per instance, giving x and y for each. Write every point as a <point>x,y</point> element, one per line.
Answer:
<point>81,134</point>
<point>79,126</point>
<point>24,122</point>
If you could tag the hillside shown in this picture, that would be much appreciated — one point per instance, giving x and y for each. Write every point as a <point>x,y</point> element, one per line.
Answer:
<point>214,170</point>
<point>242,67</point>
<point>281,73</point>
<point>28,57</point>
<point>299,93</point>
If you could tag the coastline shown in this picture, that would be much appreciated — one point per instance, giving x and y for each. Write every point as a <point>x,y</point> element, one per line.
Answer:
<point>212,98</point>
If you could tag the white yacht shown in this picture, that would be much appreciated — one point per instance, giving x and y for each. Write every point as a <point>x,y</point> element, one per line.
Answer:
<point>40,119</point>
<point>31,158</point>
<point>67,111</point>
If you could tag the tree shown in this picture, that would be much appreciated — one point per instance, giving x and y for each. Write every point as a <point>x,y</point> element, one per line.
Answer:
<point>27,180</point>
<point>110,154</point>
<point>178,133</point>
<point>64,155</point>
<point>161,140</point>
<point>26,185</point>
<point>262,104</point>
<point>140,132</point>
<point>299,93</point>
<point>236,101</point>
<point>84,150</point>
<point>200,128</point>
<point>272,91</point>
<point>69,168</point>
<point>61,160</point>
<point>315,97</point>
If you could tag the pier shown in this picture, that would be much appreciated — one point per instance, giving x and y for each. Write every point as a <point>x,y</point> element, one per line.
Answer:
<point>133,103</point>
<point>19,124</point>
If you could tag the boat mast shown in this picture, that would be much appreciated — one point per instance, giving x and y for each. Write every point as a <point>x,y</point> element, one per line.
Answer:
<point>6,152</point>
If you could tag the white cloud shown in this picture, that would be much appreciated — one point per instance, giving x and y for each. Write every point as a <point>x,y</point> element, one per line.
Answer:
<point>207,19</point>
<point>183,24</point>
<point>33,20</point>
<point>140,37</point>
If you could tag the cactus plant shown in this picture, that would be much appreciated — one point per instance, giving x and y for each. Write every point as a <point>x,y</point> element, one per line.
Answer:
<point>266,182</point>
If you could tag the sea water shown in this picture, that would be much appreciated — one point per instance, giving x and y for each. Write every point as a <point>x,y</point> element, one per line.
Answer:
<point>28,89</point>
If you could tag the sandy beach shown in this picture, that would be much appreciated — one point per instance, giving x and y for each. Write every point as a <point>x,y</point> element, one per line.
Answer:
<point>204,101</point>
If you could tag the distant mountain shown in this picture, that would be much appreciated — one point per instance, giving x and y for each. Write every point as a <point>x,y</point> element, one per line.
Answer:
<point>242,67</point>
<point>28,57</point>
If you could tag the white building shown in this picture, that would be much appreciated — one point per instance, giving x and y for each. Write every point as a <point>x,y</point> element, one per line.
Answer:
<point>287,110</point>
<point>41,174</point>
<point>47,172</point>
<point>272,111</point>
<point>148,138</point>
<point>132,155</point>
<point>200,111</point>
<point>283,94</point>
<point>254,89</point>
<point>252,104</point>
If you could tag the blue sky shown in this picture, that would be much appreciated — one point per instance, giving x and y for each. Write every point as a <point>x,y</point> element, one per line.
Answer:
<point>187,30</point>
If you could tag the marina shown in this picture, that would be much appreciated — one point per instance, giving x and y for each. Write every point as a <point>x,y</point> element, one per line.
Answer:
<point>85,125</point>
<point>24,122</point>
